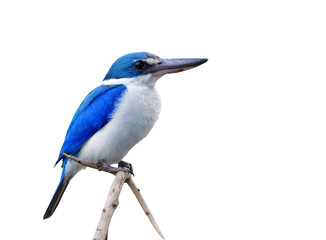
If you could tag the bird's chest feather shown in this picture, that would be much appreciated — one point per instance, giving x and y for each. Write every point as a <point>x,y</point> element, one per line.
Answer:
<point>134,117</point>
<point>138,110</point>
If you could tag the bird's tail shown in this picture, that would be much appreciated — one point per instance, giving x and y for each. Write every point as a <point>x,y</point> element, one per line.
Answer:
<point>58,194</point>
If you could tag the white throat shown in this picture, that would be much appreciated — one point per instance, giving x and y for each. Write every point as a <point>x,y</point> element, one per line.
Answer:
<point>144,80</point>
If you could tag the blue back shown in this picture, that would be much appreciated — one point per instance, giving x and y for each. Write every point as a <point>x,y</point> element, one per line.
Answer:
<point>93,113</point>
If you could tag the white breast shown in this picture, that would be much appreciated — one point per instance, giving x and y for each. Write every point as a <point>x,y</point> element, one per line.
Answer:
<point>135,116</point>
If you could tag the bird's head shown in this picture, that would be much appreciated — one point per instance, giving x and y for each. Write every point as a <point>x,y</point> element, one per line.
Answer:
<point>146,68</point>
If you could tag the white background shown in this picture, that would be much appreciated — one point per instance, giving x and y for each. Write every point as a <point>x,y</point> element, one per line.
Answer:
<point>238,151</point>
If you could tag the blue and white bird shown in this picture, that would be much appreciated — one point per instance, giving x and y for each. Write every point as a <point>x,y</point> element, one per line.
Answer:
<point>115,116</point>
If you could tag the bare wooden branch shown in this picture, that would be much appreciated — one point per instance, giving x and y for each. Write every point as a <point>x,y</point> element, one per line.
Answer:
<point>112,201</point>
<point>111,204</point>
<point>87,164</point>
<point>143,204</point>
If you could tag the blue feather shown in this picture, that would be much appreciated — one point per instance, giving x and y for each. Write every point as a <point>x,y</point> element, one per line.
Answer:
<point>93,113</point>
<point>123,66</point>
<point>58,192</point>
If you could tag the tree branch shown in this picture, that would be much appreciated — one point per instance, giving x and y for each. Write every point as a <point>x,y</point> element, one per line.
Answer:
<point>111,204</point>
<point>143,204</point>
<point>112,199</point>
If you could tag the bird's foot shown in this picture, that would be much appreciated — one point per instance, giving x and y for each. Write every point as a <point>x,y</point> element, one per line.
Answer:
<point>103,164</point>
<point>127,165</point>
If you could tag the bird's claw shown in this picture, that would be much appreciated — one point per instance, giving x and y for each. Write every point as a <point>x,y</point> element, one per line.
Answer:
<point>122,166</point>
<point>127,166</point>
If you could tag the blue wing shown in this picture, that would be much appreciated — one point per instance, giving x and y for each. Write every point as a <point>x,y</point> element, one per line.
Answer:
<point>93,113</point>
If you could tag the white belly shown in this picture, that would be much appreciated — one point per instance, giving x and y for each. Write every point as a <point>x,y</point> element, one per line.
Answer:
<point>135,116</point>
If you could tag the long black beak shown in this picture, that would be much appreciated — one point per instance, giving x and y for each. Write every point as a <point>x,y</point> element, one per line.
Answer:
<point>175,65</point>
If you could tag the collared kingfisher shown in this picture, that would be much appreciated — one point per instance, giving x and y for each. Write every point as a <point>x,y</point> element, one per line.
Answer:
<point>115,116</point>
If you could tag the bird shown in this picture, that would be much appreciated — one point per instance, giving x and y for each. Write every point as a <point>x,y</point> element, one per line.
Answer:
<point>116,115</point>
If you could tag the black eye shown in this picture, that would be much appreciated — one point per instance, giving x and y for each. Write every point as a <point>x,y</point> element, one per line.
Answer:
<point>139,65</point>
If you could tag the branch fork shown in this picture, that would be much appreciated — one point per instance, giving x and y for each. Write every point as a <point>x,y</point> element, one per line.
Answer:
<point>112,201</point>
